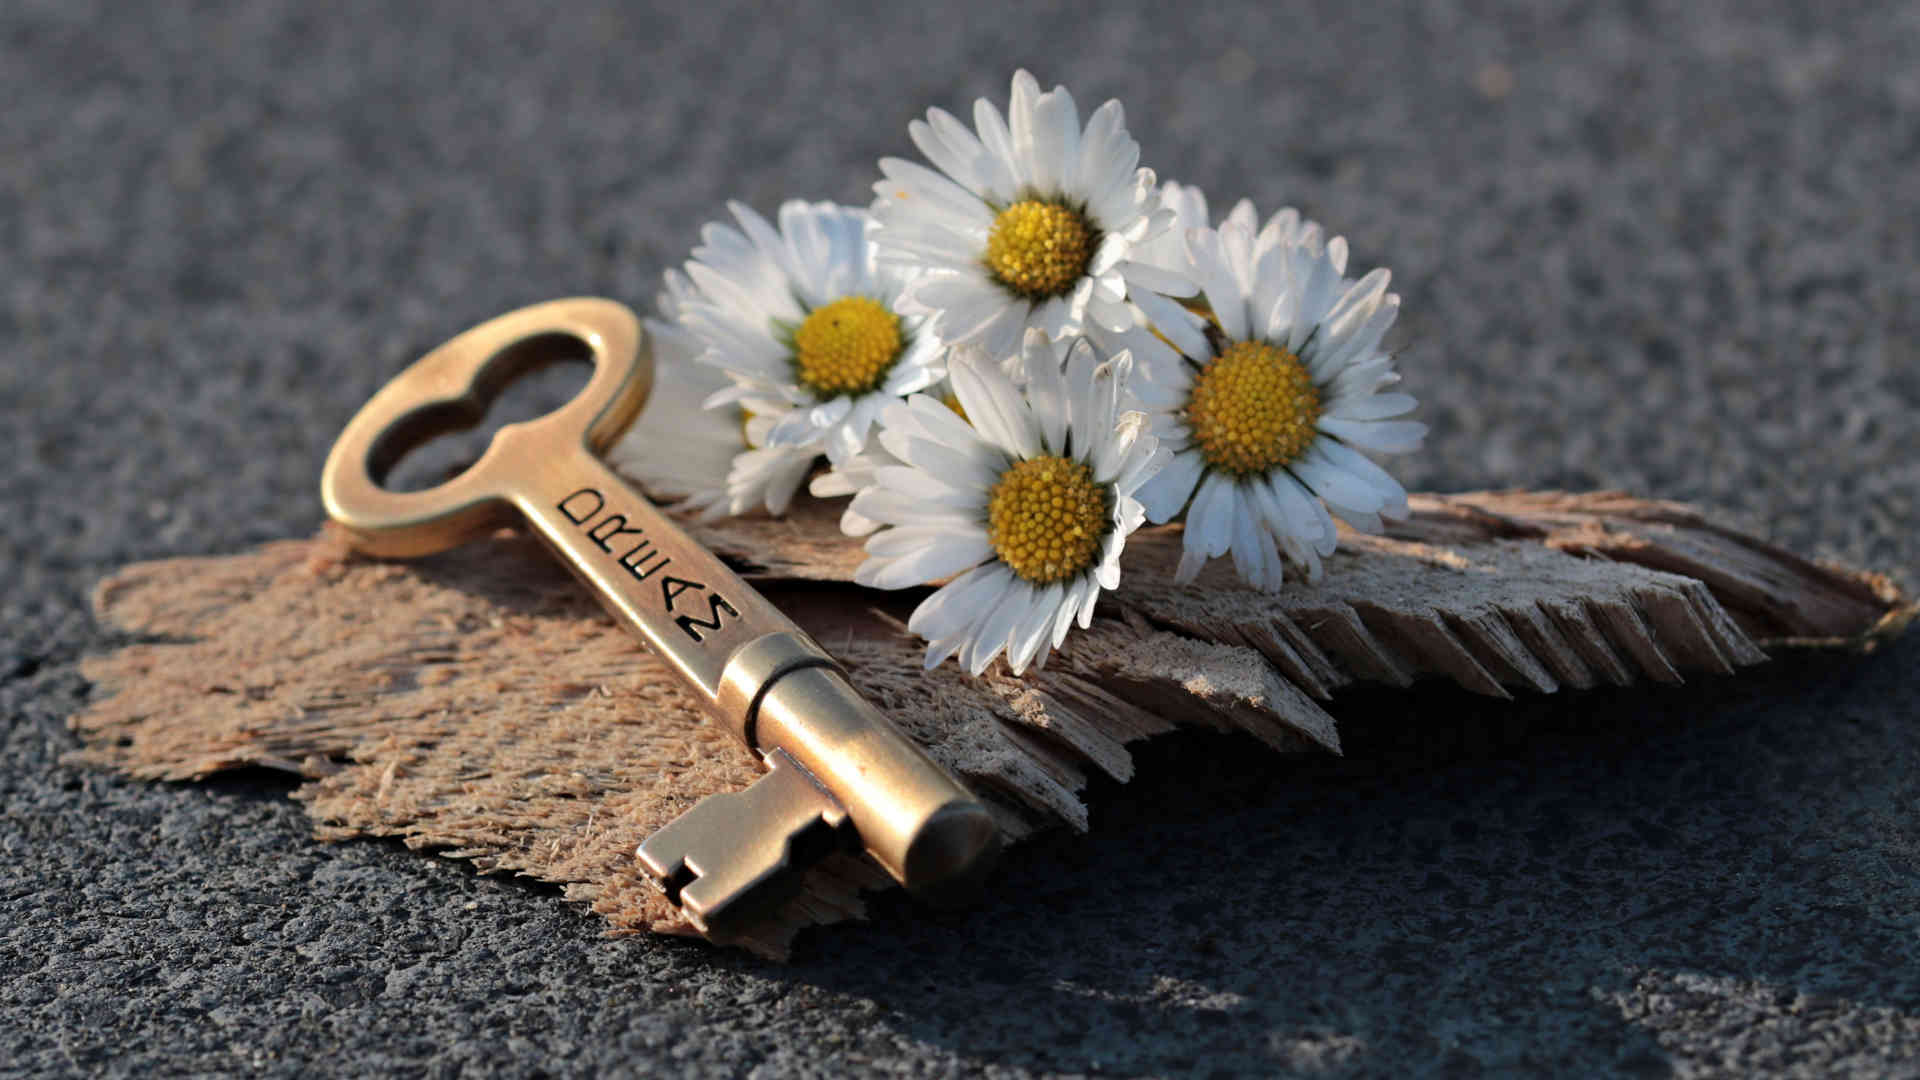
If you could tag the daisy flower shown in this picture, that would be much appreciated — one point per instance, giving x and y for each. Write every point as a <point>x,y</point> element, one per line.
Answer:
<point>1031,221</point>
<point>713,461</point>
<point>802,321</point>
<point>1029,500</point>
<point>1267,403</point>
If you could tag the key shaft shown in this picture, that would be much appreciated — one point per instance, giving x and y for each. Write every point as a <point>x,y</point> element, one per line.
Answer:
<point>761,676</point>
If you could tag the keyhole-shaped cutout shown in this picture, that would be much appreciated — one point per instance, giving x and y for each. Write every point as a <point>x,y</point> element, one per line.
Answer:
<point>438,442</point>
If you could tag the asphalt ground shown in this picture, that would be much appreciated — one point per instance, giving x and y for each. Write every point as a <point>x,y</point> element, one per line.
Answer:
<point>1666,247</point>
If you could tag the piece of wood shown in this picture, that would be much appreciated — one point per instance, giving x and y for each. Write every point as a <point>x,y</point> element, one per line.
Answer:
<point>477,703</point>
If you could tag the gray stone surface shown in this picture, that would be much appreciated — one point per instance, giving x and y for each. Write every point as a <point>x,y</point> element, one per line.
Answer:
<point>1665,246</point>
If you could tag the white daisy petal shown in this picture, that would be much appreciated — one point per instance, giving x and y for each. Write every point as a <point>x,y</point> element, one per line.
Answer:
<point>1001,336</point>
<point>952,156</point>
<point>835,410</point>
<point>1328,536</point>
<point>729,394</point>
<point>901,540</point>
<point>1356,305</point>
<point>1265,513</point>
<point>928,562</point>
<point>973,468</point>
<point>1275,300</point>
<point>1249,544</point>
<point>991,633</point>
<point>1236,247</point>
<point>1360,378</point>
<point>1054,139</point>
<point>1393,496</point>
<point>1371,406</point>
<point>1318,290</point>
<point>921,484</point>
<point>1192,560</point>
<point>1106,573</point>
<point>1031,632</point>
<point>988,172</point>
<point>891,507</point>
<point>1380,436</point>
<point>998,143</point>
<point>1070,603</point>
<point>1142,463</point>
<point>1360,345</point>
<point>1157,279</point>
<point>1047,389</point>
<point>1054,316</point>
<point>1242,215</point>
<point>758,232</point>
<point>1337,254</point>
<point>1107,159</point>
<point>993,405</point>
<point>1166,494</point>
<point>1210,522</point>
<point>767,477</point>
<point>1093,397</point>
<point>1111,453</point>
<point>1215,277</point>
<point>1090,598</point>
<point>1339,489</point>
<point>1181,327</point>
<point>1107,313</point>
<point>962,306</point>
<point>793,429</point>
<point>731,344</point>
<point>1020,105</point>
<point>1290,511</point>
<point>946,610</point>
<point>923,185</point>
<point>938,422</point>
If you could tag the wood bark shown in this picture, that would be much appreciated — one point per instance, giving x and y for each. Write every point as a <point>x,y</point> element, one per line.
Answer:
<point>478,704</point>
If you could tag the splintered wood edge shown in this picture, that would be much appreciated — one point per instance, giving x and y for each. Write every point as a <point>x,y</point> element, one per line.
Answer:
<point>1496,591</point>
<point>1552,589</point>
<point>1778,598</point>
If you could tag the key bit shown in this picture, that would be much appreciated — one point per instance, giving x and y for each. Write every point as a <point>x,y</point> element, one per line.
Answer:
<point>839,768</point>
<point>736,855</point>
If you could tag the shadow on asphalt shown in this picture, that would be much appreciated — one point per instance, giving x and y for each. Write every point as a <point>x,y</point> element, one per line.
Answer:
<point>1476,883</point>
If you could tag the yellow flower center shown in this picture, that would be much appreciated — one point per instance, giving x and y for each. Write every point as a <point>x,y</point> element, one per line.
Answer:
<point>1045,518</point>
<point>846,347</point>
<point>1037,250</point>
<point>1252,408</point>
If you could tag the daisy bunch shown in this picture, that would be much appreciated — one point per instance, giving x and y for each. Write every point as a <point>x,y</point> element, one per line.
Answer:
<point>1267,391</point>
<point>1026,221</point>
<point>714,461</point>
<point>802,322</point>
<point>1016,358</point>
<point>1025,503</point>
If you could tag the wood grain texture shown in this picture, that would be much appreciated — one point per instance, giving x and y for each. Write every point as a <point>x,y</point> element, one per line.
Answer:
<point>478,704</point>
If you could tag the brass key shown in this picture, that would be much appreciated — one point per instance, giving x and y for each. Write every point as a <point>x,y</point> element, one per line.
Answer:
<point>839,772</point>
